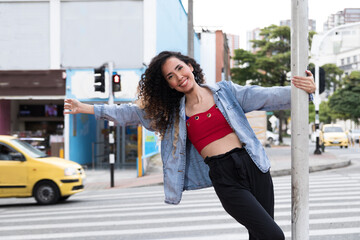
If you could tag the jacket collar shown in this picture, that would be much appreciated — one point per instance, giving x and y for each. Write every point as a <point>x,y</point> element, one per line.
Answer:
<point>213,87</point>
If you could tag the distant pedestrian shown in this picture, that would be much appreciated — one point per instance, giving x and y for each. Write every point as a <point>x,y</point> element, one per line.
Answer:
<point>206,138</point>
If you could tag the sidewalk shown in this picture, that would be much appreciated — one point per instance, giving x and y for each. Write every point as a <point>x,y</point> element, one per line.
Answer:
<point>281,163</point>
<point>280,157</point>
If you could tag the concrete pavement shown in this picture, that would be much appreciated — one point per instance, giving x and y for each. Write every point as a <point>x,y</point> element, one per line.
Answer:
<point>280,157</point>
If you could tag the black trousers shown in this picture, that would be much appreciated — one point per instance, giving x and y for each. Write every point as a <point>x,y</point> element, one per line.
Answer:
<point>245,192</point>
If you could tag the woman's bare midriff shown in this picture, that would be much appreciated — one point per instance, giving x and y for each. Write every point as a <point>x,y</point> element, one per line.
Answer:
<point>221,146</point>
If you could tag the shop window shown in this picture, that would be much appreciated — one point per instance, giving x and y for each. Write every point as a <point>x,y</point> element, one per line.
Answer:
<point>47,110</point>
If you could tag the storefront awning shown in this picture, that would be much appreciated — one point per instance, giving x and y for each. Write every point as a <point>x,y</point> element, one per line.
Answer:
<point>32,83</point>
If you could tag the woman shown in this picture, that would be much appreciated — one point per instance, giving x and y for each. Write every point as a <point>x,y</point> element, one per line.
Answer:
<point>206,138</point>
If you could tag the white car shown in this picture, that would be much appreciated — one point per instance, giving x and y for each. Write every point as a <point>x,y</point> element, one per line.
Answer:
<point>354,135</point>
<point>271,137</point>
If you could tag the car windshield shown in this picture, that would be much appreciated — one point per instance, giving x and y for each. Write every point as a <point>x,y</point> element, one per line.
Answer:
<point>333,129</point>
<point>26,147</point>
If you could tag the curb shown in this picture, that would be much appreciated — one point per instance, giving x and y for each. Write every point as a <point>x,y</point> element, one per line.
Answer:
<point>330,166</point>
<point>285,172</point>
<point>155,175</point>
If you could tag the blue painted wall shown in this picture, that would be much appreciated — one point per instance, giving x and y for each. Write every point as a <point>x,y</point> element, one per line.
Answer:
<point>171,28</point>
<point>82,135</point>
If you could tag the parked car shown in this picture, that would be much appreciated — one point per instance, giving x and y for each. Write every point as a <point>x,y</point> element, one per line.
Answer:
<point>25,171</point>
<point>271,137</point>
<point>354,135</point>
<point>333,135</point>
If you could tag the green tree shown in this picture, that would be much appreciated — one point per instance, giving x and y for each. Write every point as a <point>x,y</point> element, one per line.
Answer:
<point>332,76</point>
<point>248,69</point>
<point>325,113</point>
<point>345,101</point>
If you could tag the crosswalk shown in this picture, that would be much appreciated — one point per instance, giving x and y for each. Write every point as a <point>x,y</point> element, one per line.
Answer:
<point>139,213</point>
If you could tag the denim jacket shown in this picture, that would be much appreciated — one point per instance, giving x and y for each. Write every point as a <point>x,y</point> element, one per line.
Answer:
<point>186,169</point>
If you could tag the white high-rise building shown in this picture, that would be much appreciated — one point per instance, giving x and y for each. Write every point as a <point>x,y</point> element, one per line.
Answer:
<point>348,15</point>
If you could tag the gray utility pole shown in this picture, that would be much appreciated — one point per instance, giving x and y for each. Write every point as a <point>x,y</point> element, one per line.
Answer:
<point>299,124</point>
<point>190,29</point>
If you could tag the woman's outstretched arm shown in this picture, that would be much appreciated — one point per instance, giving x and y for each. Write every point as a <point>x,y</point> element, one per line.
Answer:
<point>74,106</point>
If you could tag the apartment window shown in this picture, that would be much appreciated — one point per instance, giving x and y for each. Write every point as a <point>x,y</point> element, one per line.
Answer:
<point>355,59</point>
<point>342,62</point>
<point>348,60</point>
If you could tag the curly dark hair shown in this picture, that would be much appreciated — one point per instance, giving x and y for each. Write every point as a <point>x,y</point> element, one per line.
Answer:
<point>160,102</point>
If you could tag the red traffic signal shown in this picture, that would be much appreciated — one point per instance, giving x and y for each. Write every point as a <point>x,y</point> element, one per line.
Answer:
<point>116,82</point>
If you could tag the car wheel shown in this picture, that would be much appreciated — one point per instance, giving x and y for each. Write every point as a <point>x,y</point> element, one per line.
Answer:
<point>64,198</point>
<point>270,140</point>
<point>46,193</point>
<point>346,146</point>
<point>341,146</point>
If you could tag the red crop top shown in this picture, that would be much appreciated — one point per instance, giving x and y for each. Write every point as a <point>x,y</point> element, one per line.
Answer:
<point>207,127</point>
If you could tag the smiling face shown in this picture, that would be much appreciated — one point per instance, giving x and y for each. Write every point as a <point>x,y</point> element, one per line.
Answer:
<point>178,75</point>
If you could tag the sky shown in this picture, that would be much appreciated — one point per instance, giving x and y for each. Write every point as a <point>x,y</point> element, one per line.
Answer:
<point>239,16</point>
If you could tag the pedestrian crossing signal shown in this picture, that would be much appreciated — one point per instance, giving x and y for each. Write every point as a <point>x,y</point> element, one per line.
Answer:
<point>116,81</point>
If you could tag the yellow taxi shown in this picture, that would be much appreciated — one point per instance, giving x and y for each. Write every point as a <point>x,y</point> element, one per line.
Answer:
<point>333,135</point>
<point>28,172</point>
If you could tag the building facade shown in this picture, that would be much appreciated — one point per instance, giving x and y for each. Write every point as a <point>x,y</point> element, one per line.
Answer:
<point>233,43</point>
<point>252,35</point>
<point>215,56</point>
<point>349,60</point>
<point>311,24</point>
<point>49,52</point>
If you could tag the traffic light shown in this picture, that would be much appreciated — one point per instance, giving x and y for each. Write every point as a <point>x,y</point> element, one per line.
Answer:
<point>116,82</point>
<point>99,78</point>
<point>322,79</point>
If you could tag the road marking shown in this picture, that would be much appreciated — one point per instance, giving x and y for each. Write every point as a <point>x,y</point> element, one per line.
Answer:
<point>192,219</point>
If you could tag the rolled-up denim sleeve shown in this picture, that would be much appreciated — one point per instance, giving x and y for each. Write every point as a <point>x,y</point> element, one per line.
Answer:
<point>122,115</point>
<point>252,98</point>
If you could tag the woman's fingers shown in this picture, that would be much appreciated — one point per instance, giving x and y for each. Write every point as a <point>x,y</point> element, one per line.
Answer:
<point>305,83</point>
<point>70,106</point>
<point>309,73</point>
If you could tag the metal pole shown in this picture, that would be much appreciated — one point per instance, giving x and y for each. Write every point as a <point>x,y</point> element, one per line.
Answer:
<point>111,137</point>
<point>140,153</point>
<point>299,126</point>
<point>110,69</point>
<point>118,148</point>
<point>93,155</point>
<point>317,105</point>
<point>190,29</point>
<point>123,139</point>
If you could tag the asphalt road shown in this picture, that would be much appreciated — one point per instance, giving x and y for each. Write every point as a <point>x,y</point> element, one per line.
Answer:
<point>139,213</point>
